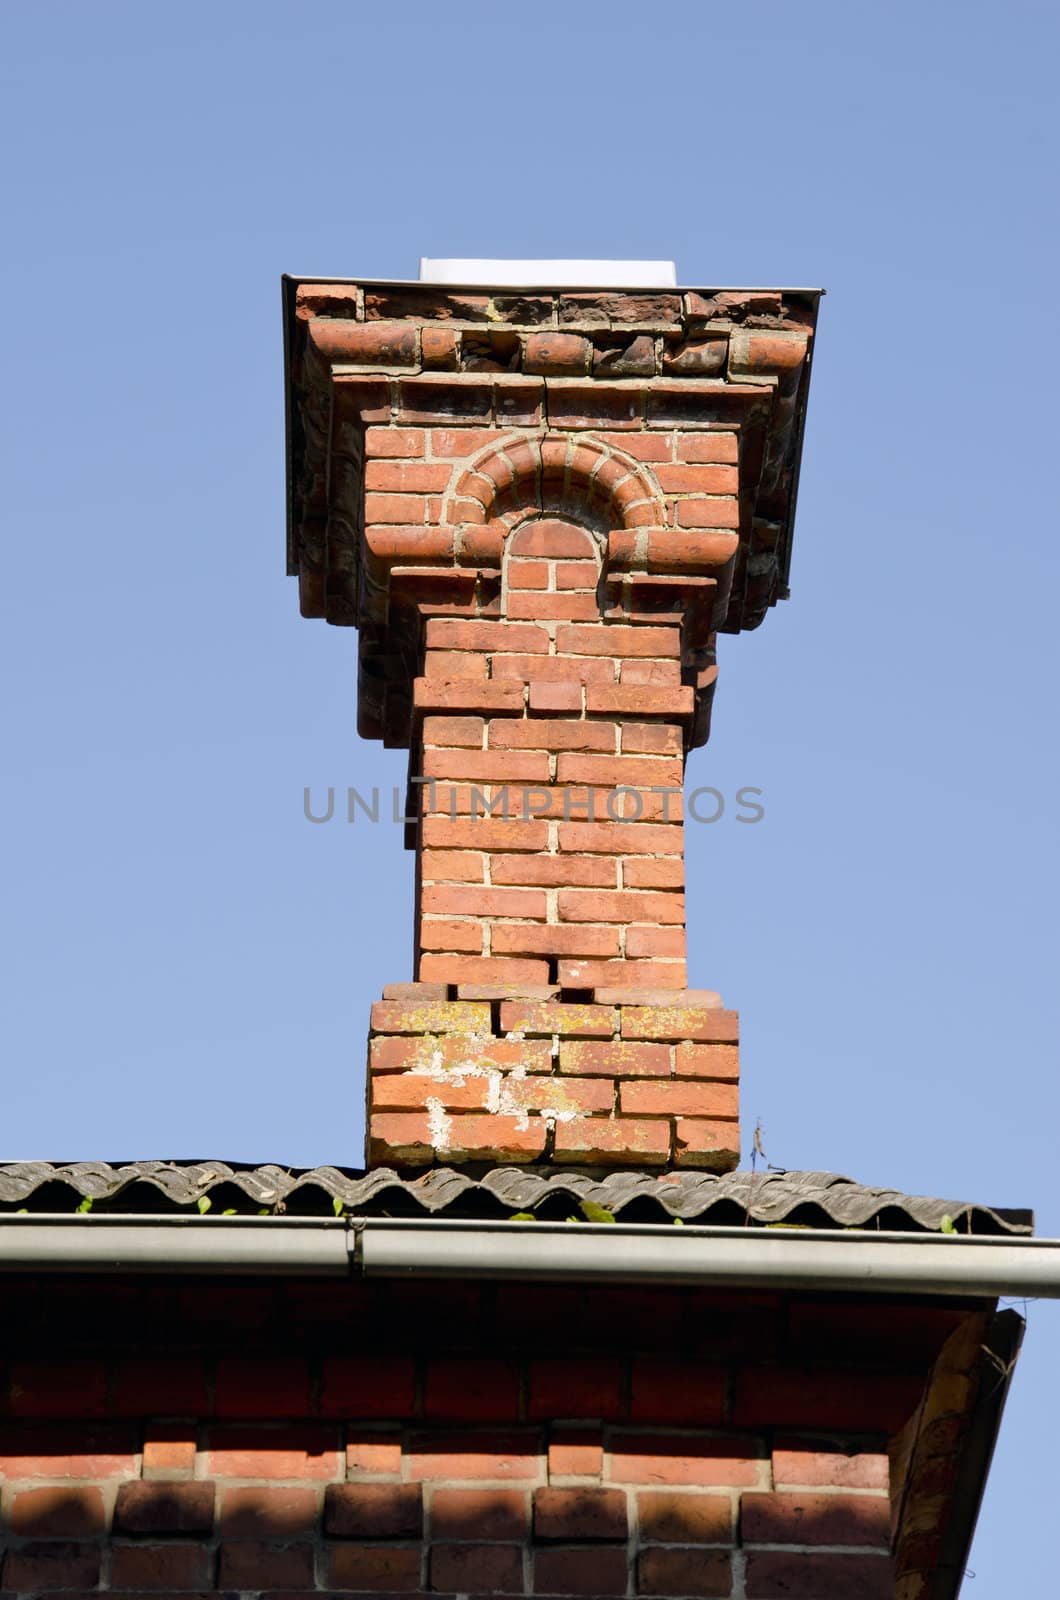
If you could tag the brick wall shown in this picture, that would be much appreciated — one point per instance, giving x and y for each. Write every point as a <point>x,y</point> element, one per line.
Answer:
<point>510,1440</point>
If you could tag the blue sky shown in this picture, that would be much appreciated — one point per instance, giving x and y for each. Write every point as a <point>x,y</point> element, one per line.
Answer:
<point>189,964</point>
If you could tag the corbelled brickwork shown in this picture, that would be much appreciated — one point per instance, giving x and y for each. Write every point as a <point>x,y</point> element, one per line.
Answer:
<point>539,510</point>
<point>301,1438</point>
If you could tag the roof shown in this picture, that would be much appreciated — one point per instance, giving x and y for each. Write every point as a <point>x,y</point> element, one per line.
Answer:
<point>803,1199</point>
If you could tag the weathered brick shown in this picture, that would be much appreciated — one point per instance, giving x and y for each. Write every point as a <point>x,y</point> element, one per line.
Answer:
<point>716,1061</point>
<point>788,1575</point>
<point>242,1451</point>
<point>594,1570</point>
<point>57,1512</point>
<point>373,1511</point>
<point>54,1565</point>
<point>370,1454</point>
<point>679,1099</point>
<point>686,1572</point>
<point>161,1566</point>
<point>682,1518</point>
<point>708,1025</point>
<point>511,1455</point>
<point>482,1568</point>
<point>614,1058</point>
<point>620,1140</point>
<point>807,1462</point>
<point>574,1515</point>
<point>804,1518</point>
<point>389,1568</point>
<point>497,1514</point>
<point>157,1507</point>
<point>575,1453</point>
<point>683,1459</point>
<point>264,1512</point>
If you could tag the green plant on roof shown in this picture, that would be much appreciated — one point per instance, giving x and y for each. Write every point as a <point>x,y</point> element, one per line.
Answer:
<point>947,1225</point>
<point>204,1203</point>
<point>85,1206</point>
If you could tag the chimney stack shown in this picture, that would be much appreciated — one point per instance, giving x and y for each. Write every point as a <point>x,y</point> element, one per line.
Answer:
<point>539,506</point>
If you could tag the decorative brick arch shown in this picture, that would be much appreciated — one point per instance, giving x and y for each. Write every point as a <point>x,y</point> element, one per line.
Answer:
<point>568,474</point>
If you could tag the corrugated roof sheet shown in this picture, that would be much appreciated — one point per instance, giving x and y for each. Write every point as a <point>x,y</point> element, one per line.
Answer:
<point>808,1199</point>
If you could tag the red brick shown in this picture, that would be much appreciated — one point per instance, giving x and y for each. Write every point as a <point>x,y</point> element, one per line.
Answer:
<point>439,1053</point>
<point>396,1091</point>
<point>310,1452</point>
<point>673,701</point>
<point>374,1511</point>
<point>409,477</point>
<point>475,1389</point>
<point>685,1572</point>
<point>707,447</point>
<point>709,479</point>
<point>660,1458</point>
<point>586,905</point>
<point>399,442</point>
<point>502,1456</point>
<point>454,694</point>
<point>53,1512</point>
<point>538,733</point>
<point>560,1094</point>
<point>586,974</point>
<point>453,866</point>
<point>615,1059</point>
<point>527,574</point>
<point>445,1016</point>
<point>550,353</point>
<point>592,1571</point>
<point>181,1507</point>
<point>553,669</point>
<point>367,1386</point>
<point>577,575</point>
<point>342,339</point>
<point>649,873</point>
<point>552,541</point>
<point>449,731</point>
<point>489,1569</point>
<point>682,1518</point>
<point>618,838</point>
<point>56,1565</point>
<point>169,1385</point>
<point>707,1024</point>
<point>618,639</point>
<point>652,738</point>
<point>372,1454</point>
<point>575,1453</point>
<point>714,1061</point>
<point>787,1575</point>
<point>160,1566</point>
<point>805,1518</point>
<point>487,766</point>
<point>553,607</point>
<point>438,934</point>
<point>278,1513</point>
<point>444,633</point>
<point>480,1514</point>
<point>722,512</point>
<point>549,697</point>
<point>485,969</point>
<point>450,665</point>
<point>530,939</point>
<point>679,1099</point>
<point>485,834</point>
<point>404,509</point>
<point>852,1402</point>
<point>810,1463</point>
<point>575,1386</point>
<point>643,447</point>
<point>460,443</point>
<point>653,675</point>
<point>618,1139</point>
<point>681,1392</point>
<point>573,1515</point>
<point>256,1386</point>
<point>699,1142</point>
<point>74,1386</point>
<point>553,871</point>
<point>67,1451</point>
<point>255,1564</point>
<point>655,942</point>
<point>549,1017</point>
<point>389,1568</point>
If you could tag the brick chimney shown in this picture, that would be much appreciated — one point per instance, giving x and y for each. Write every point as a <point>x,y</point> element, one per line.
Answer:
<point>539,507</point>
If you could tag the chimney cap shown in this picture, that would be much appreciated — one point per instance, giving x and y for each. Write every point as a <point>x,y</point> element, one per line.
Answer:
<point>550,274</point>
